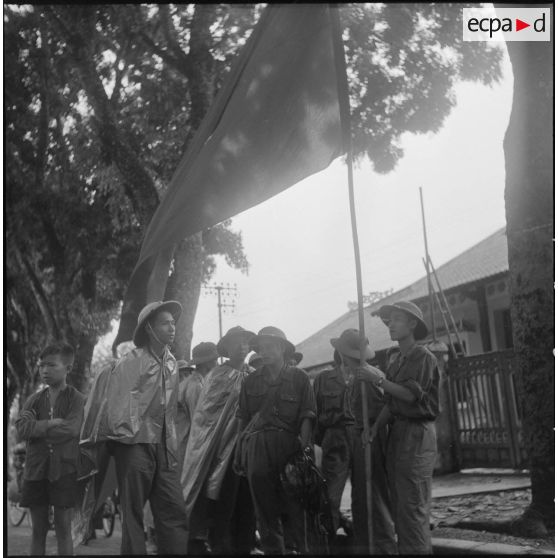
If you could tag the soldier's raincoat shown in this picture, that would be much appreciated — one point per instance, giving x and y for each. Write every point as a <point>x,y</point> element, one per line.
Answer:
<point>213,435</point>
<point>132,401</point>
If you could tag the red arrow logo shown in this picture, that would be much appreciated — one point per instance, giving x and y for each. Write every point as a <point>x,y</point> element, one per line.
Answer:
<point>519,25</point>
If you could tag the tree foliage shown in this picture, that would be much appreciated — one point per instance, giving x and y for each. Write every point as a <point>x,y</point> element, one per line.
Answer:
<point>101,102</point>
<point>404,60</point>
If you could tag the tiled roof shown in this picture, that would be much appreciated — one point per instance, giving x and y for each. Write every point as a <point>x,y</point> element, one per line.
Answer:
<point>483,260</point>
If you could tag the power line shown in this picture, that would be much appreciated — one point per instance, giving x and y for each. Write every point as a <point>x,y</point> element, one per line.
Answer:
<point>223,291</point>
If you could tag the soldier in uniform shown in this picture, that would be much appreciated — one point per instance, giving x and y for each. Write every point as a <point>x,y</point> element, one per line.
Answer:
<point>339,433</point>
<point>277,405</point>
<point>411,393</point>
<point>215,495</point>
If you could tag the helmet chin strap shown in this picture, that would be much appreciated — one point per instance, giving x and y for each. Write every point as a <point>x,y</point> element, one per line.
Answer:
<point>155,335</point>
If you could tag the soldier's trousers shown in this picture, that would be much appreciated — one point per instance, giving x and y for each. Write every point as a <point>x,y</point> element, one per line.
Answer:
<point>268,452</point>
<point>234,524</point>
<point>411,456</point>
<point>343,454</point>
<point>143,474</point>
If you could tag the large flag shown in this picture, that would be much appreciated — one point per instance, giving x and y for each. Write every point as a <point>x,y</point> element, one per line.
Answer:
<point>276,120</point>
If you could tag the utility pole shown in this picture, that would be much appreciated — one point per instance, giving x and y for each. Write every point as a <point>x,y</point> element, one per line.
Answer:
<point>427,259</point>
<point>226,296</point>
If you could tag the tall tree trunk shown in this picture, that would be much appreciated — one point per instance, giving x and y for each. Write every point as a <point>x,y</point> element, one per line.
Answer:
<point>528,152</point>
<point>185,282</point>
<point>80,375</point>
<point>184,285</point>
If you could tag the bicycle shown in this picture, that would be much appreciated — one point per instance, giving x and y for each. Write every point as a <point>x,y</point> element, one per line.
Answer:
<point>16,514</point>
<point>105,517</point>
<point>110,509</point>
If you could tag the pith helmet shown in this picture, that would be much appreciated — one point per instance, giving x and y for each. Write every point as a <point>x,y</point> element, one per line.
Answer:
<point>140,336</point>
<point>236,332</point>
<point>421,331</point>
<point>204,352</point>
<point>271,332</point>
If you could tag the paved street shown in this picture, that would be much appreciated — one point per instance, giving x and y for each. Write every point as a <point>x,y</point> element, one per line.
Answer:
<point>487,496</point>
<point>19,540</point>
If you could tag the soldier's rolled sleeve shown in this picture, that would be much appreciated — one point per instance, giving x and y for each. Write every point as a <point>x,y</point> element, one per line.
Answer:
<point>307,402</point>
<point>416,389</point>
<point>421,384</point>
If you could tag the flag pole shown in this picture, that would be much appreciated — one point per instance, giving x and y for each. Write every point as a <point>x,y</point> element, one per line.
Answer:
<point>345,112</point>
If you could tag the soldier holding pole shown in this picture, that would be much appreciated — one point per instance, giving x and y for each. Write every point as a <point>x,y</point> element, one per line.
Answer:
<point>411,392</point>
<point>339,433</point>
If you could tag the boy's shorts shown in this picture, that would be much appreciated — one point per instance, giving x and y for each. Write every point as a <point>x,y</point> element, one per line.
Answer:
<point>61,493</point>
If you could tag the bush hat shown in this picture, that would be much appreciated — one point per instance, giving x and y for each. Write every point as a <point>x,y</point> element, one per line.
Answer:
<point>184,365</point>
<point>204,352</point>
<point>271,332</point>
<point>421,331</point>
<point>297,357</point>
<point>140,335</point>
<point>236,332</point>
<point>348,344</point>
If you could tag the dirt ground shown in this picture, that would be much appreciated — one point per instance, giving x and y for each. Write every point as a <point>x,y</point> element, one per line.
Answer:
<point>486,536</point>
<point>492,506</point>
<point>488,507</point>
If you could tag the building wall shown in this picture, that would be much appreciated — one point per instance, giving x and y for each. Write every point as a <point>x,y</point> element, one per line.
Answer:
<point>463,309</point>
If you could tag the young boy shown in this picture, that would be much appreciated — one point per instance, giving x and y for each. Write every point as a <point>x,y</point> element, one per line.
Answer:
<point>50,423</point>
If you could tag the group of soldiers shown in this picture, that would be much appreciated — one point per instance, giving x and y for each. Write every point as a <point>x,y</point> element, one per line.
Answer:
<point>207,444</point>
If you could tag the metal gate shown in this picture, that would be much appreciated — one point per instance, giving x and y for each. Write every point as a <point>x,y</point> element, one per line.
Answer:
<point>486,411</point>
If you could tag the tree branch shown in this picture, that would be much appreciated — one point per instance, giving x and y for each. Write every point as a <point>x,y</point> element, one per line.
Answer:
<point>39,294</point>
<point>181,66</point>
<point>170,36</point>
<point>119,73</point>
<point>138,184</point>
<point>56,248</point>
<point>42,143</point>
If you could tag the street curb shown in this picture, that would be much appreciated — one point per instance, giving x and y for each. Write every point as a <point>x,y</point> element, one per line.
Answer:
<point>447,492</point>
<point>458,546</point>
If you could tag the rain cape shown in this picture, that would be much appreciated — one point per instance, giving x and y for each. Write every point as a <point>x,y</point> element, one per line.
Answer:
<point>131,401</point>
<point>213,435</point>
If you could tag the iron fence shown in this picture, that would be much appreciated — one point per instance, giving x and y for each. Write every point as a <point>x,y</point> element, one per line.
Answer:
<point>486,412</point>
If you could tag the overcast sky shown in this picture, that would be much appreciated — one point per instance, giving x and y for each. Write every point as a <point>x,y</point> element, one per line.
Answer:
<point>299,243</point>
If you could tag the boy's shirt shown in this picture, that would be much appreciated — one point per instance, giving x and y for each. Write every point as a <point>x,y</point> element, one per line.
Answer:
<point>52,451</point>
